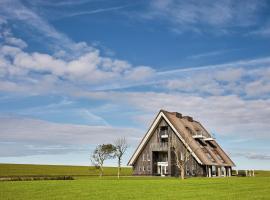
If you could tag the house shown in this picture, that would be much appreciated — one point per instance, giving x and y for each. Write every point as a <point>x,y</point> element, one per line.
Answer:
<point>156,155</point>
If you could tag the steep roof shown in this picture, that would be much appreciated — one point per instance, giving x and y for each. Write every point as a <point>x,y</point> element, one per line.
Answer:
<point>195,137</point>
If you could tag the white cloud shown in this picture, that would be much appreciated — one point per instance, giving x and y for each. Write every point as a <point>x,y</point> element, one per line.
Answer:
<point>258,88</point>
<point>191,15</point>
<point>32,137</point>
<point>16,42</point>
<point>229,75</point>
<point>247,82</point>
<point>224,115</point>
<point>90,69</point>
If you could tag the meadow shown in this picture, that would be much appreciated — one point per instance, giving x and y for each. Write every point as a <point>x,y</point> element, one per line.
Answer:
<point>108,187</point>
<point>7,170</point>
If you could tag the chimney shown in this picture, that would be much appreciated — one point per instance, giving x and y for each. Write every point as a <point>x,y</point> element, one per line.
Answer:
<point>177,114</point>
<point>188,118</point>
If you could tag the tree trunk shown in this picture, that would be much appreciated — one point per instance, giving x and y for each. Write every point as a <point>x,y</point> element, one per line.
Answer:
<point>101,171</point>
<point>182,172</point>
<point>119,168</point>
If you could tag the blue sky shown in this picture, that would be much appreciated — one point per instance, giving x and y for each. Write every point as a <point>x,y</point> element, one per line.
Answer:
<point>74,74</point>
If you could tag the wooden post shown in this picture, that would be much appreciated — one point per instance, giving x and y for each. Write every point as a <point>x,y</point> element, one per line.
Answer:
<point>219,174</point>
<point>246,173</point>
<point>236,172</point>
<point>253,172</point>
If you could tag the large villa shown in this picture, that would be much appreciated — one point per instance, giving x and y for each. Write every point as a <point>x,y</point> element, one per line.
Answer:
<point>155,156</point>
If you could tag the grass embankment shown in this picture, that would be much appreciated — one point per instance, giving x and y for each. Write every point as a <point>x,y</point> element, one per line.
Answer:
<point>10,170</point>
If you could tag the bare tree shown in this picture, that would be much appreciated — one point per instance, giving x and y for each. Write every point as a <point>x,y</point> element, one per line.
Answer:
<point>182,157</point>
<point>100,154</point>
<point>120,148</point>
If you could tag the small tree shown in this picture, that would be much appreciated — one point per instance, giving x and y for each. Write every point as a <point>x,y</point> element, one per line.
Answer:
<point>120,148</point>
<point>100,154</point>
<point>181,159</point>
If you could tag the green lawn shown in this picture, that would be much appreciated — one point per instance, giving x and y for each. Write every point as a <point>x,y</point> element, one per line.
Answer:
<point>129,188</point>
<point>91,187</point>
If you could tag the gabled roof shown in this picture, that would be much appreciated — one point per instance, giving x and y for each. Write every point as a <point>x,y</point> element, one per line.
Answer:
<point>190,132</point>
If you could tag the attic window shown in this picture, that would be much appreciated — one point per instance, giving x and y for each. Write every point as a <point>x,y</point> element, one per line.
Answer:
<point>201,142</point>
<point>189,130</point>
<point>199,132</point>
<point>164,133</point>
<point>212,144</point>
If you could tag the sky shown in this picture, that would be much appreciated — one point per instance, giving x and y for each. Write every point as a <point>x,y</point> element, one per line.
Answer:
<point>75,74</point>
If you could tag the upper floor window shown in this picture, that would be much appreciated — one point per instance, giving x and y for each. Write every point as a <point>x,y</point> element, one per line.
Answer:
<point>164,133</point>
<point>143,157</point>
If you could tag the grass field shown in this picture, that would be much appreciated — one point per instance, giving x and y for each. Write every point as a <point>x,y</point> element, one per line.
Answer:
<point>7,170</point>
<point>91,187</point>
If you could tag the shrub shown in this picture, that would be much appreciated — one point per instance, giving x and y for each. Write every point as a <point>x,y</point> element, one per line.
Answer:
<point>36,178</point>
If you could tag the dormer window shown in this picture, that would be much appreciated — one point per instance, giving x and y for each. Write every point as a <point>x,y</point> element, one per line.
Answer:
<point>189,130</point>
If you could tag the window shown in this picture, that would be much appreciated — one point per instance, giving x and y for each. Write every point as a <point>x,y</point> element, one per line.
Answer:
<point>148,157</point>
<point>143,168</point>
<point>189,130</point>
<point>187,171</point>
<point>212,145</point>
<point>139,168</point>
<point>143,157</point>
<point>214,170</point>
<point>148,168</point>
<point>223,172</point>
<point>181,156</point>
<point>163,130</point>
<point>193,171</point>
<point>164,133</point>
<point>201,142</point>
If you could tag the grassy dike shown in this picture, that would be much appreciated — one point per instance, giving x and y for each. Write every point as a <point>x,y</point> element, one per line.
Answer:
<point>9,170</point>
